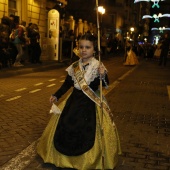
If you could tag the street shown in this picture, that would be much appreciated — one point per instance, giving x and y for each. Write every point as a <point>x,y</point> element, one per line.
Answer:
<point>143,123</point>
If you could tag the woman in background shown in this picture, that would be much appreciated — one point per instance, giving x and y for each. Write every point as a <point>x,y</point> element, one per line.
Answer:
<point>157,52</point>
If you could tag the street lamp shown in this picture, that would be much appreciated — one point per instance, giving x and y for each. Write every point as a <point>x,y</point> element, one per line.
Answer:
<point>131,31</point>
<point>101,10</point>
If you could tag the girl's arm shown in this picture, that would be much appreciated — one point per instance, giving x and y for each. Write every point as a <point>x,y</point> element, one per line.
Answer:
<point>68,83</point>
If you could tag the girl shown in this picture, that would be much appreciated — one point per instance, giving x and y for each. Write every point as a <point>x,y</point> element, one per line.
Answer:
<point>131,58</point>
<point>73,139</point>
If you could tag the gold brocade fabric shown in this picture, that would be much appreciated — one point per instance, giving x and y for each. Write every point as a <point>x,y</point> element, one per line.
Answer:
<point>92,159</point>
<point>131,58</point>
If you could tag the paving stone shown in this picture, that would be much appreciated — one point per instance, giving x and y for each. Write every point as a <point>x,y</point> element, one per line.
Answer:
<point>140,106</point>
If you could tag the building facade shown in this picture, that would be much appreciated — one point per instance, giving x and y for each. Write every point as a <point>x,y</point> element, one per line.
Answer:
<point>119,17</point>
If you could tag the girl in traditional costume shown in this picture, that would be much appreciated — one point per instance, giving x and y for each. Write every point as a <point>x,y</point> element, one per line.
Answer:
<point>131,58</point>
<point>74,139</point>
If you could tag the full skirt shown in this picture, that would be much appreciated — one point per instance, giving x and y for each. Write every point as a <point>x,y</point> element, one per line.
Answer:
<point>131,59</point>
<point>107,145</point>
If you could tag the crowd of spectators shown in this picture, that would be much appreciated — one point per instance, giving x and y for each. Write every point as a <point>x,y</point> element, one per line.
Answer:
<point>158,52</point>
<point>16,40</point>
<point>20,43</point>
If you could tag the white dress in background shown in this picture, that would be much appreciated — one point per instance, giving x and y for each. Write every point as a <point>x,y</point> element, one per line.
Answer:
<point>157,51</point>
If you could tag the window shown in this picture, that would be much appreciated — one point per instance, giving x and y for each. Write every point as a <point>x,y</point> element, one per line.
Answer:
<point>12,7</point>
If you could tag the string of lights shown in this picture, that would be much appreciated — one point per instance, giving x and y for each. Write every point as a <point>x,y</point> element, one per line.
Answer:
<point>156,17</point>
<point>155,2</point>
<point>159,25</point>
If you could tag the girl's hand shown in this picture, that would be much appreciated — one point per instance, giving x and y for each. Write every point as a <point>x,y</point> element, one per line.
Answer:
<point>102,70</point>
<point>53,99</point>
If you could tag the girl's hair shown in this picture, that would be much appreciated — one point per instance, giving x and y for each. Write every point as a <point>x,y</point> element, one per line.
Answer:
<point>89,37</point>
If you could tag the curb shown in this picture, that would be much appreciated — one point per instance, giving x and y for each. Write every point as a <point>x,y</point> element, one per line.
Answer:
<point>30,68</point>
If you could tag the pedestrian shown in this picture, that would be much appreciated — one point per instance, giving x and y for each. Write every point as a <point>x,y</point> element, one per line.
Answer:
<point>18,39</point>
<point>164,50</point>
<point>131,58</point>
<point>73,139</point>
<point>34,46</point>
<point>4,42</point>
<point>127,48</point>
<point>104,44</point>
<point>157,52</point>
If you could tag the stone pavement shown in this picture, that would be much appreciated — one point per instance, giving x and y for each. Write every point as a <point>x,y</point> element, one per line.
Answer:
<point>140,103</point>
<point>141,107</point>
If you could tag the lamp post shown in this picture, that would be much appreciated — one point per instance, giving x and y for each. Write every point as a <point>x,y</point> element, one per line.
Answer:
<point>132,29</point>
<point>101,10</point>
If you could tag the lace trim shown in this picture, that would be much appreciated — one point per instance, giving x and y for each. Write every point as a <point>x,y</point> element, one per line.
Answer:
<point>90,72</point>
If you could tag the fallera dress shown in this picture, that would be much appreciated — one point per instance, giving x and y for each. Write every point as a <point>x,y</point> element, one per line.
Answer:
<point>131,58</point>
<point>73,138</point>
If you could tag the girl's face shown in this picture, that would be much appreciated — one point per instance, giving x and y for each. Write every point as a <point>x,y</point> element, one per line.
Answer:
<point>86,49</point>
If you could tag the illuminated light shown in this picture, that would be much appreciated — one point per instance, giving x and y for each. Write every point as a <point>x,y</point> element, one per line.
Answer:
<point>118,30</point>
<point>132,29</point>
<point>101,9</point>
<point>161,29</point>
<point>165,15</point>
<point>141,0</point>
<point>160,15</point>
<point>146,16</point>
<point>155,2</point>
<point>155,16</point>
<point>62,2</point>
<point>153,29</point>
<point>156,39</point>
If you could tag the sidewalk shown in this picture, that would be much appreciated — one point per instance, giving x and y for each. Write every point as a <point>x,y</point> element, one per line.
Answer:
<point>29,67</point>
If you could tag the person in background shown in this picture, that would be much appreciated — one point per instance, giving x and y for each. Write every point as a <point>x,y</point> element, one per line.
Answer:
<point>12,48</point>
<point>131,58</point>
<point>127,48</point>
<point>18,39</point>
<point>34,46</point>
<point>157,52</point>
<point>73,139</point>
<point>25,44</point>
<point>104,44</point>
<point>5,59</point>
<point>164,50</point>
